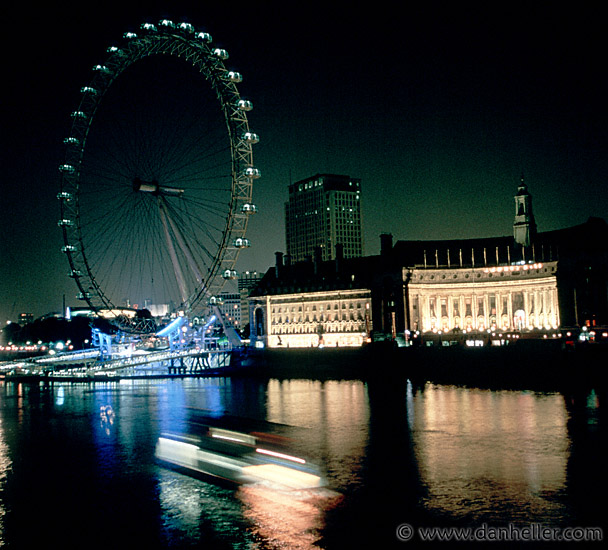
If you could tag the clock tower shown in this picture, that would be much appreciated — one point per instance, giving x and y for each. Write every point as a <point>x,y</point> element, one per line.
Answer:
<point>524,226</point>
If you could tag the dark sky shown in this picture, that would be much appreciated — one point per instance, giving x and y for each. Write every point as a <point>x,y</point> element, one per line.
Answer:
<point>438,110</point>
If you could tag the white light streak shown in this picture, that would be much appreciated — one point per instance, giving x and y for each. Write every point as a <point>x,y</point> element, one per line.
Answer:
<point>280,455</point>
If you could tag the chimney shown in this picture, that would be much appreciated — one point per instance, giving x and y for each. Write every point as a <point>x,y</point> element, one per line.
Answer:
<point>317,259</point>
<point>386,243</point>
<point>339,256</point>
<point>278,268</point>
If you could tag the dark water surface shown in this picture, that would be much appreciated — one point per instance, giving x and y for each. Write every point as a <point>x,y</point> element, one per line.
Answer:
<point>77,467</point>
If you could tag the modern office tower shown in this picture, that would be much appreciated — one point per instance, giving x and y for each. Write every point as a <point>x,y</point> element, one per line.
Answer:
<point>247,281</point>
<point>322,211</point>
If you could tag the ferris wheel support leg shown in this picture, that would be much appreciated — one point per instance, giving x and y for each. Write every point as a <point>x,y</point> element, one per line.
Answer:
<point>176,267</point>
<point>184,248</point>
<point>229,330</point>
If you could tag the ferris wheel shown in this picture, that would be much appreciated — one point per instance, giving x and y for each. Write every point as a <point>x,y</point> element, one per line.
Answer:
<point>157,178</point>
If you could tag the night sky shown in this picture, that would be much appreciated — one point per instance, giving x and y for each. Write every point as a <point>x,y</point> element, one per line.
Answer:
<point>438,110</point>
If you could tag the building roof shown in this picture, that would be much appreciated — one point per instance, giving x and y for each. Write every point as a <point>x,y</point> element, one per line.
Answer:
<point>589,238</point>
<point>546,246</point>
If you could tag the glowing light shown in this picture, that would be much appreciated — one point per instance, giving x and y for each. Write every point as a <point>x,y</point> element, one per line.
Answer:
<point>280,455</point>
<point>171,327</point>
<point>285,476</point>
<point>229,435</point>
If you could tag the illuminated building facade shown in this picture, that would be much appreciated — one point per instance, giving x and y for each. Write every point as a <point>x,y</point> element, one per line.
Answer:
<point>313,303</point>
<point>508,298</point>
<point>327,318</point>
<point>559,279</point>
<point>530,281</point>
<point>323,211</point>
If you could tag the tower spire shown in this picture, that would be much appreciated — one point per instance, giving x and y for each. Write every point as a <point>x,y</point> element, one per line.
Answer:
<point>524,225</point>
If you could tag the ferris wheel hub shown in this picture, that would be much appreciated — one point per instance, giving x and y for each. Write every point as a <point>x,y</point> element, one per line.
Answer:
<point>155,188</point>
<point>188,189</point>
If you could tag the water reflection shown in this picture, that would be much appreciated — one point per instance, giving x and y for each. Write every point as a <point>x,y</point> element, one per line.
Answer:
<point>198,514</point>
<point>392,453</point>
<point>337,415</point>
<point>5,466</point>
<point>492,456</point>
<point>586,481</point>
<point>287,519</point>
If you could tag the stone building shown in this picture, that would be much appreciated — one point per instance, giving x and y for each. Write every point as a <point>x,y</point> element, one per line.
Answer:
<point>313,303</point>
<point>530,281</point>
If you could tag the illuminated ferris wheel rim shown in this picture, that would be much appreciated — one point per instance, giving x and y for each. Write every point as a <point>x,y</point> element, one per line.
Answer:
<point>196,48</point>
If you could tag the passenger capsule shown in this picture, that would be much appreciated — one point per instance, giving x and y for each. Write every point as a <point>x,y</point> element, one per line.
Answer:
<point>129,35</point>
<point>251,172</point>
<point>71,141</point>
<point>75,273</point>
<point>221,53</point>
<point>186,27</point>
<point>67,169</point>
<point>88,90</point>
<point>148,27</point>
<point>235,77</point>
<point>65,196</point>
<point>102,69</point>
<point>204,37</point>
<point>68,248</point>
<point>242,243</point>
<point>229,274</point>
<point>65,223</point>
<point>167,23</point>
<point>79,115</point>
<point>250,137</point>
<point>249,209</point>
<point>244,105</point>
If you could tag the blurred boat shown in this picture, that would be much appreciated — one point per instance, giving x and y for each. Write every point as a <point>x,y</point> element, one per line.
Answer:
<point>238,451</point>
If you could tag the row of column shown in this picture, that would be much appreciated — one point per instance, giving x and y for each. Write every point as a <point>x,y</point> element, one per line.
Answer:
<point>521,309</point>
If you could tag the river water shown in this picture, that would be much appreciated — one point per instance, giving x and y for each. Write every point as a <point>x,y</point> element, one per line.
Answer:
<point>77,467</point>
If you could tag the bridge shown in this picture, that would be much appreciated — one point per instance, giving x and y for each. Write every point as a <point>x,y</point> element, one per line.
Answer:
<point>202,354</point>
<point>95,364</point>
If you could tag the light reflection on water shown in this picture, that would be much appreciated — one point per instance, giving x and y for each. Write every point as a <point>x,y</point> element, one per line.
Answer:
<point>5,465</point>
<point>460,454</point>
<point>336,415</point>
<point>492,456</point>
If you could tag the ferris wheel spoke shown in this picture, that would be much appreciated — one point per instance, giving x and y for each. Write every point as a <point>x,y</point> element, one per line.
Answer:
<point>205,212</point>
<point>148,182</point>
<point>198,230</point>
<point>197,168</point>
